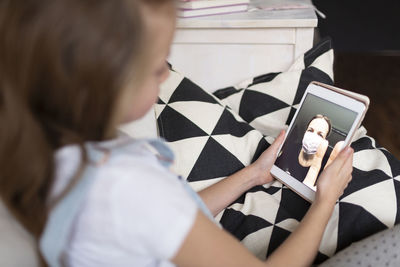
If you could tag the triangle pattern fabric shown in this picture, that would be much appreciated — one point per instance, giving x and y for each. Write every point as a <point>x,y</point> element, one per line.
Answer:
<point>257,242</point>
<point>235,115</point>
<point>263,200</point>
<point>284,93</point>
<point>396,184</point>
<point>158,108</point>
<point>273,117</point>
<point>330,236</point>
<point>393,163</point>
<point>368,160</point>
<point>288,86</point>
<point>362,143</point>
<point>240,200</point>
<point>159,101</point>
<point>177,126</point>
<point>262,104</point>
<point>291,115</point>
<point>322,64</point>
<point>307,76</point>
<point>278,236</point>
<point>189,91</point>
<point>239,224</point>
<point>185,159</point>
<point>259,188</point>
<point>298,64</point>
<point>288,224</point>
<point>236,145</point>
<point>234,100</point>
<point>205,168</point>
<point>227,124</point>
<point>355,223</point>
<point>262,146</point>
<point>287,210</point>
<point>362,179</point>
<point>196,110</point>
<point>269,124</point>
<point>264,78</point>
<point>200,185</point>
<point>274,189</point>
<point>278,195</point>
<point>169,85</point>
<point>320,258</point>
<point>379,200</point>
<point>318,51</point>
<point>226,92</point>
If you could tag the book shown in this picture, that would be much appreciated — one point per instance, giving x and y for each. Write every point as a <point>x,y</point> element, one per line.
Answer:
<point>272,5</point>
<point>197,4</point>
<point>188,13</point>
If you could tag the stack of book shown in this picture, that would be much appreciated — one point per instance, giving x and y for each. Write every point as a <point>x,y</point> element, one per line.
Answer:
<point>196,8</point>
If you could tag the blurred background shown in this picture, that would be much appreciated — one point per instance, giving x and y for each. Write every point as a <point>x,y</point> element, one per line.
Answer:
<point>366,40</point>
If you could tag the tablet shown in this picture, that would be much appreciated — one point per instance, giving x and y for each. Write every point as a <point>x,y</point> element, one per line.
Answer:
<point>323,124</point>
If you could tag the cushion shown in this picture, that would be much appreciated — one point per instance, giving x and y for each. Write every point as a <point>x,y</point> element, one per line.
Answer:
<point>189,117</point>
<point>144,127</point>
<point>212,140</point>
<point>268,102</point>
<point>380,249</point>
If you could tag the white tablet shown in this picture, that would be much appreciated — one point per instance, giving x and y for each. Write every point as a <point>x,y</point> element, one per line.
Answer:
<point>323,124</point>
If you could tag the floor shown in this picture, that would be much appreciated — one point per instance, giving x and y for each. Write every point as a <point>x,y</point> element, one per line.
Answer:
<point>377,76</point>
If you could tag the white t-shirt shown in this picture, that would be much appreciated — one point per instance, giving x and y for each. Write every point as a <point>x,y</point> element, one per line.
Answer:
<point>136,213</point>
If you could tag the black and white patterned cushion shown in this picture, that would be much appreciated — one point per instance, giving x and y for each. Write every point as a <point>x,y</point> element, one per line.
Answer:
<point>211,141</point>
<point>268,102</point>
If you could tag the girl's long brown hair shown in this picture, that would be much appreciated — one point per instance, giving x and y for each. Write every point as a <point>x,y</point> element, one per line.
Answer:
<point>63,65</point>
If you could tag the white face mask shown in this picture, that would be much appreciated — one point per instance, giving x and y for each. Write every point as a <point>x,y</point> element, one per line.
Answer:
<point>311,142</point>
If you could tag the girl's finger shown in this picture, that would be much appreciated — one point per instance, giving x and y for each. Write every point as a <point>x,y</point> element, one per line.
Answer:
<point>347,167</point>
<point>342,158</point>
<point>277,142</point>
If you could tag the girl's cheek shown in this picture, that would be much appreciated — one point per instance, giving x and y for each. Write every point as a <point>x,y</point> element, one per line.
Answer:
<point>164,76</point>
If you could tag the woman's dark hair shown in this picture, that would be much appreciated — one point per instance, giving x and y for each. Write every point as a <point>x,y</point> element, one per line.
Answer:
<point>63,67</point>
<point>319,116</point>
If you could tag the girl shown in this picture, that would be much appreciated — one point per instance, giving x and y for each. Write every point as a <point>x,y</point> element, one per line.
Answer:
<point>70,72</point>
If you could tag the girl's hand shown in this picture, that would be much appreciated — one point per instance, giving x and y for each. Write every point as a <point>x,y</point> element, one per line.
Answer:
<point>334,153</point>
<point>219,195</point>
<point>335,178</point>
<point>260,169</point>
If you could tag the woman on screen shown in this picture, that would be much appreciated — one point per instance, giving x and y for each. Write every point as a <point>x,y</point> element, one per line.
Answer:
<point>314,146</point>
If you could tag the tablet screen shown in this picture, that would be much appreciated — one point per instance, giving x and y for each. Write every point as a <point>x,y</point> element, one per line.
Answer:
<point>316,137</point>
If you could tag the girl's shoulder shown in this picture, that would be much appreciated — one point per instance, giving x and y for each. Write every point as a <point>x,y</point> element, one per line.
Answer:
<point>128,147</point>
<point>123,160</point>
<point>130,200</point>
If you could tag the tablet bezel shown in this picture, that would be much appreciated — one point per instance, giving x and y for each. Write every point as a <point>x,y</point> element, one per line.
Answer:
<point>337,98</point>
